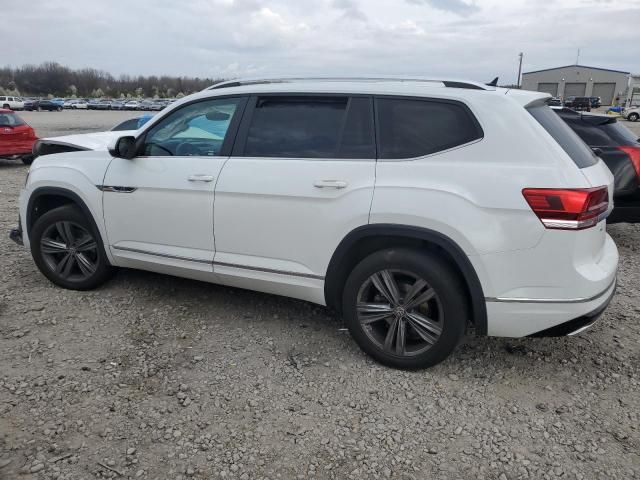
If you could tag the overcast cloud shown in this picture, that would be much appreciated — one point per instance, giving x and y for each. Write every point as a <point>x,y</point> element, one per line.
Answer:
<point>472,39</point>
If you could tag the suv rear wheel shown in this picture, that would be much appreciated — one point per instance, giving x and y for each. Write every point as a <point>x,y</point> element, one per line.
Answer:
<point>68,251</point>
<point>405,308</point>
<point>634,117</point>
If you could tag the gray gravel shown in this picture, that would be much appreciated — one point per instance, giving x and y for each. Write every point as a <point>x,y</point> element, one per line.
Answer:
<point>155,377</point>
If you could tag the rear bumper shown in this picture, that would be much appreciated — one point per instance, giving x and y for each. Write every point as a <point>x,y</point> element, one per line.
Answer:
<point>523,318</point>
<point>577,325</point>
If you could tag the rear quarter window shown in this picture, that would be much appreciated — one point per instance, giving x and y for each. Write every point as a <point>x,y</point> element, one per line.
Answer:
<point>409,128</point>
<point>570,142</point>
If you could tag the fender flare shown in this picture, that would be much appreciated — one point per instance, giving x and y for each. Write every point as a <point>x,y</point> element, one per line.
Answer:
<point>462,262</point>
<point>61,192</point>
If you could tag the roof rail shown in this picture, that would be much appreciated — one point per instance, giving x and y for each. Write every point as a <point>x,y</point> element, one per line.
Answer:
<point>266,81</point>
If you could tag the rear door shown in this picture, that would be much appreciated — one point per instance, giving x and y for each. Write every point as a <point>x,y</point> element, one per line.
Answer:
<point>300,179</point>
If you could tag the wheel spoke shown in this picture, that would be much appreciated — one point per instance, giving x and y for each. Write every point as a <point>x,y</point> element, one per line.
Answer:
<point>51,246</point>
<point>65,265</point>
<point>425,296</point>
<point>400,337</point>
<point>425,323</point>
<point>386,285</point>
<point>86,243</point>
<point>373,312</point>
<point>86,266</point>
<point>391,335</point>
<point>64,230</point>
<point>415,289</point>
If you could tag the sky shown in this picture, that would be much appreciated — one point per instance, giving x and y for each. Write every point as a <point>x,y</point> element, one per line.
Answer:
<point>462,39</point>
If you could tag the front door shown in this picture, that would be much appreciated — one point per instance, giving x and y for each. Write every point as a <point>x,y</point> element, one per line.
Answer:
<point>158,207</point>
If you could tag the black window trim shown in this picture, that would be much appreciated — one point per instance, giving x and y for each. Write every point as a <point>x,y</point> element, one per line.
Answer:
<point>464,106</point>
<point>243,130</point>
<point>229,140</point>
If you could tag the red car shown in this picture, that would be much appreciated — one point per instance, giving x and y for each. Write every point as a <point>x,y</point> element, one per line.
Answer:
<point>16,137</point>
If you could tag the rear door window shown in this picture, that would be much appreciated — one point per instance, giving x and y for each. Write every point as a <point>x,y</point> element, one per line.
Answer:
<point>311,127</point>
<point>409,128</point>
<point>570,142</point>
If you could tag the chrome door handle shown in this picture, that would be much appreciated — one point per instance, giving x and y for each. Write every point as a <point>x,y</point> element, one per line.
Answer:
<point>330,184</point>
<point>200,178</point>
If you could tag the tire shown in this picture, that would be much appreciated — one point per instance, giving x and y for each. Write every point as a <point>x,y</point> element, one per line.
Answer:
<point>86,266</point>
<point>27,159</point>
<point>633,117</point>
<point>444,310</point>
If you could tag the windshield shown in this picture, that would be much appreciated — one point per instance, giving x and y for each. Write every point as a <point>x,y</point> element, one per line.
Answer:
<point>10,120</point>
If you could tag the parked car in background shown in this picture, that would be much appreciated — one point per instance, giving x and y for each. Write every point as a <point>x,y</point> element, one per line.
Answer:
<point>157,105</point>
<point>578,103</point>
<point>458,233</point>
<point>133,123</point>
<point>632,114</point>
<point>103,104</point>
<point>80,104</point>
<point>118,105</point>
<point>132,105</point>
<point>596,102</point>
<point>554,102</point>
<point>620,150</point>
<point>59,101</point>
<point>11,103</point>
<point>92,103</point>
<point>28,103</point>
<point>16,137</point>
<point>69,103</point>
<point>145,105</point>
<point>44,105</point>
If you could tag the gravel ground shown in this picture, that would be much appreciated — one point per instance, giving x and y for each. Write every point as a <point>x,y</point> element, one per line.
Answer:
<point>156,377</point>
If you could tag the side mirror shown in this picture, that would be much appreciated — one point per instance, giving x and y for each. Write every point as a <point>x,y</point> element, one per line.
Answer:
<point>124,147</point>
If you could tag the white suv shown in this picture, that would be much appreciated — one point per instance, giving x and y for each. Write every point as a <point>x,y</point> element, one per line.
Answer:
<point>11,103</point>
<point>417,209</point>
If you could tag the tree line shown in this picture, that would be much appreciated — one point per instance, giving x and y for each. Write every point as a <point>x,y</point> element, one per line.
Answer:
<point>55,80</point>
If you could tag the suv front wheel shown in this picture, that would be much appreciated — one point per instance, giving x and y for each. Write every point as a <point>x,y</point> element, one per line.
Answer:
<point>405,308</point>
<point>68,251</point>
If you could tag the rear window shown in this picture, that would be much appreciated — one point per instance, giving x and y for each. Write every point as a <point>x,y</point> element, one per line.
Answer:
<point>571,143</point>
<point>10,120</point>
<point>411,128</point>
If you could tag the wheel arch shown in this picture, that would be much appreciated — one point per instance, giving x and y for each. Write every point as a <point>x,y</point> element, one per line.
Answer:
<point>44,199</point>
<point>370,238</point>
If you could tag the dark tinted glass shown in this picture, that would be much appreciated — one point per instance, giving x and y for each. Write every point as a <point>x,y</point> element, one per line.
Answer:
<point>621,134</point>
<point>579,152</point>
<point>413,128</point>
<point>592,135</point>
<point>311,127</point>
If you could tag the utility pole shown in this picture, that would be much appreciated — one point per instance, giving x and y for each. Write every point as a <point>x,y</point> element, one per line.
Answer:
<point>578,57</point>
<point>519,68</point>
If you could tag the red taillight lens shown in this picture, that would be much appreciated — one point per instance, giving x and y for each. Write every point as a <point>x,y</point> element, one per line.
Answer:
<point>568,209</point>
<point>634,154</point>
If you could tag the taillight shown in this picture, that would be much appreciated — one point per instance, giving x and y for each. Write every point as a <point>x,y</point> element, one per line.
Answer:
<point>568,209</point>
<point>634,154</point>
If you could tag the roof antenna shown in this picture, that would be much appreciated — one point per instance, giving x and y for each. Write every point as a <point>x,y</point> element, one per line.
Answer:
<point>493,83</point>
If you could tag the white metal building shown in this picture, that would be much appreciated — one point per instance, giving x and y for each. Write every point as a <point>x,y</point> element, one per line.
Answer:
<point>580,81</point>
